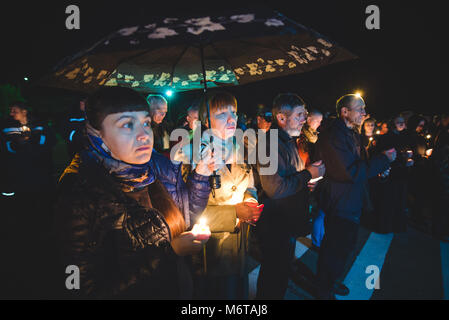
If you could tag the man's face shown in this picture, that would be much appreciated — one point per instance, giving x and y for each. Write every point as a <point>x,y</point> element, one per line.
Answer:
<point>314,121</point>
<point>263,124</point>
<point>355,113</point>
<point>18,114</point>
<point>158,113</point>
<point>128,136</point>
<point>192,116</point>
<point>399,123</point>
<point>294,122</point>
<point>420,126</point>
<point>224,121</point>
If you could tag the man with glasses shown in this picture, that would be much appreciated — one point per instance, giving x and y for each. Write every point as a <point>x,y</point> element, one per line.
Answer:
<point>343,189</point>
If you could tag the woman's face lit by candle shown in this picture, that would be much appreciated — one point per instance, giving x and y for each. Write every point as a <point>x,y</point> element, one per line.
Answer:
<point>224,121</point>
<point>369,128</point>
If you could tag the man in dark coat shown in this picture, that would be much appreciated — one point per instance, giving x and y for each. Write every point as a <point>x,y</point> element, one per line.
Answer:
<point>343,189</point>
<point>285,194</point>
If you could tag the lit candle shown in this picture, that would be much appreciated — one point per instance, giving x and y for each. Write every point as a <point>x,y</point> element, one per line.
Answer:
<point>429,152</point>
<point>428,136</point>
<point>201,230</point>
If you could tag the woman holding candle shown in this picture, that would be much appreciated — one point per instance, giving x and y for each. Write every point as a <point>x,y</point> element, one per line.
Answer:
<point>389,194</point>
<point>230,208</point>
<point>123,208</point>
<point>369,140</point>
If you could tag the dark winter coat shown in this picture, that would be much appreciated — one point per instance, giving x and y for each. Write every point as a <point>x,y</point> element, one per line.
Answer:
<point>344,187</point>
<point>285,193</point>
<point>122,248</point>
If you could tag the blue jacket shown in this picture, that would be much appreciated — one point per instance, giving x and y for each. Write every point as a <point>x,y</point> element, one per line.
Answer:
<point>344,188</point>
<point>190,197</point>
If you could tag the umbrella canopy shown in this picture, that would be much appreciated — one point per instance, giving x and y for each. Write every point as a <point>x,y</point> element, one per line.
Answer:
<point>237,48</point>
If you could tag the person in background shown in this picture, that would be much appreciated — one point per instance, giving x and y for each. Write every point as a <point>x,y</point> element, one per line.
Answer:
<point>264,120</point>
<point>369,139</point>
<point>389,193</point>
<point>26,195</point>
<point>440,186</point>
<point>306,148</point>
<point>309,136</point>
<point>420,177</point>
<point>123,211</point>
<point>161,131</point>
<point>343,190</point>
<point>383,128</point>
<point>286,212</point>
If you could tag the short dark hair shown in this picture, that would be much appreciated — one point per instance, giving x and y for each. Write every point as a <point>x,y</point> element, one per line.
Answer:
<point>346,101</point>
<point>108,100</point>
<point>216,100</point>
<point>285,102</point>
<point>20,104</point>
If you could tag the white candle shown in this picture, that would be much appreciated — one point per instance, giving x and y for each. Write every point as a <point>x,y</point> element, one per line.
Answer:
<point>315,180</point>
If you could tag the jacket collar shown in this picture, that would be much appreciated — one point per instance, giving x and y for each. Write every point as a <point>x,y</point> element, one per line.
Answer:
<point>284,136</point>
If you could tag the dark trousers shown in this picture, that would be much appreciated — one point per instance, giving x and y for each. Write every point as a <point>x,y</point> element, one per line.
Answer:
<point>277,247</point>
<point>338,243</point>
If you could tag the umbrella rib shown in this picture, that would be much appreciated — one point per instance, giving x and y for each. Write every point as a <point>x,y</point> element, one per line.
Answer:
<point>262,46</point>
<point>177,61</point>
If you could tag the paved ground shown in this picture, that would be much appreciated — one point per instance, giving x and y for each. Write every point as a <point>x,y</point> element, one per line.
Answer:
<point>411,265</point>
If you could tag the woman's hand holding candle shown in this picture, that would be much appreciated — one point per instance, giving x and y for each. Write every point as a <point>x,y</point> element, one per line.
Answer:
<point>186,244</point>
<point>201,231</point>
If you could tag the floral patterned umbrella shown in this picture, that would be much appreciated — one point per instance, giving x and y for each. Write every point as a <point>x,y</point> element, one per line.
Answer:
<point>235,48</point>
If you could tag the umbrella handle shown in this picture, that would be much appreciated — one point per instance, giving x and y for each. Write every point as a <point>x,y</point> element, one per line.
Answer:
<point>214,179</point>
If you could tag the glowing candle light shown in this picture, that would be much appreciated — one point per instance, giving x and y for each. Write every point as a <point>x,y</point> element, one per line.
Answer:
<point>201,230</point>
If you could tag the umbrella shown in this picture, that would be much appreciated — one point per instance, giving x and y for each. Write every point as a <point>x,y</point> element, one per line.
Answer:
<point>192,53</point>
<point>184,54</point>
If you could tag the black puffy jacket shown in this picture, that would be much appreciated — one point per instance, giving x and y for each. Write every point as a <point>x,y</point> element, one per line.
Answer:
<point>121,248</point>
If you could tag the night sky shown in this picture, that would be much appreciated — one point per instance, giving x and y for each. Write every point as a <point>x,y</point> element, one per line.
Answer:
<point>399,66</point>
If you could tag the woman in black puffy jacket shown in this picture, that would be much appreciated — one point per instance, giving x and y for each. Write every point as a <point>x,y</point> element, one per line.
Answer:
<point>123,210</point>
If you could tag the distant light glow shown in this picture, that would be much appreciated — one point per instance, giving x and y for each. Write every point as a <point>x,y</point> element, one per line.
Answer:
<point>26,79</point>
<point>169,93</point>
<point>428,136</point>
<point>358,94</point>
<point>378,132</point>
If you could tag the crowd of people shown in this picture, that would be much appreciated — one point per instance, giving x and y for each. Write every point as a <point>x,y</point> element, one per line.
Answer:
<point>125,208</point>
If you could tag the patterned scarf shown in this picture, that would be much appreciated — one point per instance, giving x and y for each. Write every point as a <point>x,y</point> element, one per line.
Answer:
<point>129,175</point>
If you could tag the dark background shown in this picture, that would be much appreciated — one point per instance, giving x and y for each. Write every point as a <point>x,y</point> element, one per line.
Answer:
<point>399,66</point>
